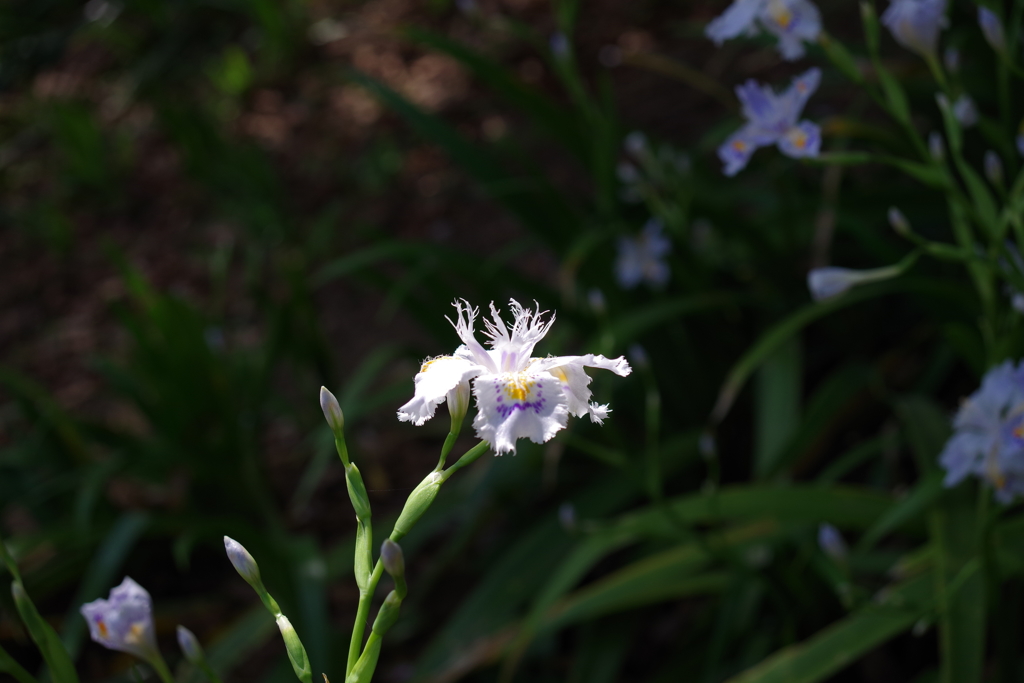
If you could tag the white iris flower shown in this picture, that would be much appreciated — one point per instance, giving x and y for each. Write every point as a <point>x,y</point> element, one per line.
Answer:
<point>517,395</point>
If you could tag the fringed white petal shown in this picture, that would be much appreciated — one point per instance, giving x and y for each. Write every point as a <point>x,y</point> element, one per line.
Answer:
<point>576,382</point>
<point>516,405</point>
<point>435,379</point>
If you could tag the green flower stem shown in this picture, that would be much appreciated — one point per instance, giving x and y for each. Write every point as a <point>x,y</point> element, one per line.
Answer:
<point>160,666</point>
<point>365,596</point>
<point>449,444</point>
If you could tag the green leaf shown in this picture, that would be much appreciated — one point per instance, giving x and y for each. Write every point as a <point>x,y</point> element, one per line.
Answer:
<point>777,405</point>
<point>9,666</point>
<point>835,647</point>
<point>960,588</point>
<point>46,639</point>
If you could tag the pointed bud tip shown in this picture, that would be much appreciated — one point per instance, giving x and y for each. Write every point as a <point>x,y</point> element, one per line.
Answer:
<point>332,411</point>
<point>189,645</point>
<point>241,560</point>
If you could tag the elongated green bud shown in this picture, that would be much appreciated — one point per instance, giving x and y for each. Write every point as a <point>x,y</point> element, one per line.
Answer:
<point>357,492</point>
<point>871,30</point>
<point>419,500</point>
<point>336,421</point>
<point>246,567</point>
<point>388,614</point>
<point>296,652</point>
<point>243,562</point>
<point>362,672</point>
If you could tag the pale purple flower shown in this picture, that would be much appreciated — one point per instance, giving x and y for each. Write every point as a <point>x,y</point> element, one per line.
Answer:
<point>642,258</point>
<point>951,59</point>
<point>831,542</point>
<point>992,27</point>
<point>517,395</point>
<point>124,621</point>
<point>559,45</point>
<point>916,24</point>
<point>772,119</point>
<point>792,22</point>
<point>189,645</point>
<point>988,438</point>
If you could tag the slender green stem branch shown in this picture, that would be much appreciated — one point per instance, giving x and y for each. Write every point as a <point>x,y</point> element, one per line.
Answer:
<point>355,645</point>
<point>160,666</point>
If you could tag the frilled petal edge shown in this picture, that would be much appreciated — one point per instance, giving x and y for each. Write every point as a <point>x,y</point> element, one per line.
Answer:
<point>435,379</point>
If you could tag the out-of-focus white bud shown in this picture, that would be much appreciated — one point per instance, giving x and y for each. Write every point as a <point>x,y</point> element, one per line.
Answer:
<point>831,542</point>
<point>189,645</point>
<point>965,112</point>
<point>936,147</point>
<point>898,221</point>
<point>951,58</point>
<point>595,298</point>
<point>992,27</point>
<point>242,561</point>
<point>993,168</point>
<point>638,355</point>
<point>826,283</point>
<point>636,143</point>
<point>559,44</point>
<point>567,516</point>
<point>393,558</point>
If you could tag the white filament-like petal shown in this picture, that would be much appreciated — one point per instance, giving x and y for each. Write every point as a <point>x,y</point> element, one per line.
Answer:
<point>435,379</point>
<point>464,327</point>
<point>515,405</point>
<point>511,350</point>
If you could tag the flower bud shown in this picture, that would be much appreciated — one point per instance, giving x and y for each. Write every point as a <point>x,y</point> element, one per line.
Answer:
<point>831,542</point>
<point>243,562</point>
<point>357,492</point>
<point>826,283</point>
<point>296,652</point>
<point>936,147</point>
<point>458,403</point>
<point>870,21</point>
<point>388,614</point>
<point>992,27</point>
<point>951,59</point>
<point>965,112</point>
<point>393,558</point>
<point>899,222</point>
<point>419,500</point>
<point>190,646</point>
<point>993,168</point>
<point>559,45</point>
<point>332,411</point>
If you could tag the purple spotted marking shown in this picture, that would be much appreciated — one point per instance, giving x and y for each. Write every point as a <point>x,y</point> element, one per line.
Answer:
<point>505,411</point>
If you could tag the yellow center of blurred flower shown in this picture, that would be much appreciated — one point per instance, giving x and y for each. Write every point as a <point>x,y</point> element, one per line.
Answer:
<point>103,628</point>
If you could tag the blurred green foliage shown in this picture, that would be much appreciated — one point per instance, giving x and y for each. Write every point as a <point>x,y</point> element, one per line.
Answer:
<point>676,541</point>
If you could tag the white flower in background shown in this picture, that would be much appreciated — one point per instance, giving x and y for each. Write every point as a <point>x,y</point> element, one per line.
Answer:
<point>517,395</point>
<point>124,621</point>
<point>793,22</point>
<point>916,24</point>
<point>642,258</point>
